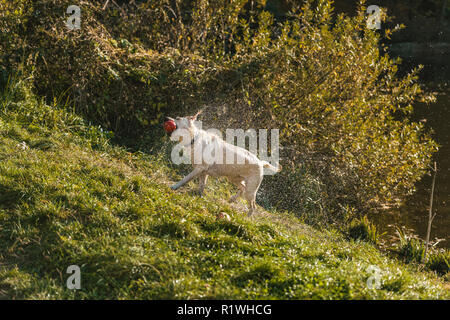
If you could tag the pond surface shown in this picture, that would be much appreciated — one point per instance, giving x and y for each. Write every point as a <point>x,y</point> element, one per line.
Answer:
<point>413,214</point>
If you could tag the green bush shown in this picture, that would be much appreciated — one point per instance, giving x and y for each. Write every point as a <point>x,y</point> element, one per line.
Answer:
<point>113,81</point>
<point>363,229</point>
<point>413,250</point>
<point>410,247</point>
<point>439,261</point>
<point>300,190</point>
<point>335,94</point>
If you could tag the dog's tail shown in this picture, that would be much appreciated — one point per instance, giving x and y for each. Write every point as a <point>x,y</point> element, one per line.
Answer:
<point>271,167</point>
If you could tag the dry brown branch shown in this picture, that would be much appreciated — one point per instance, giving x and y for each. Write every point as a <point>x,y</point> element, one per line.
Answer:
<point>430,212</point>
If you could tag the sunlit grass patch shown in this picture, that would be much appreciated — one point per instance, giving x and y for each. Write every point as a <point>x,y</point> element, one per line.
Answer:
<point>67,198</point>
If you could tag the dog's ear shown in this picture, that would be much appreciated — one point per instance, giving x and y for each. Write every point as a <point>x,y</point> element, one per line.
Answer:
<point>196,115</point>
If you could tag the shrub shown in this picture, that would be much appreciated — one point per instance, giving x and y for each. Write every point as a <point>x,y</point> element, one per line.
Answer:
<point>363,229</point>
<point>337,99</point>
<point>300,190</point>
<point>439,261</point>
<point>413,250</point>
<point>112,80</point>
<point>410,246</point>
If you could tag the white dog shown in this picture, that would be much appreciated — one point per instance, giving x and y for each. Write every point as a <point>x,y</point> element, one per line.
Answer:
<point>246,173</point>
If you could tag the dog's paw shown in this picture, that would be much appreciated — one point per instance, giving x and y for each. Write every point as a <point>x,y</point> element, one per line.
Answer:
<point>174,187</point>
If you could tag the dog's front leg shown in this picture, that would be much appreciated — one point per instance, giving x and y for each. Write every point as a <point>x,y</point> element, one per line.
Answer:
<point>188,178</point>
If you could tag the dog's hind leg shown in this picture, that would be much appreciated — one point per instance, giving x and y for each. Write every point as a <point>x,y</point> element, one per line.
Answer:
<point>251,187</point>
<point>240,184</point>
<point>251,199</point>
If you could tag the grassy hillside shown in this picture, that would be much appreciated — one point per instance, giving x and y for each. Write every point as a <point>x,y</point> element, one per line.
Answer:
<point>67,196</point>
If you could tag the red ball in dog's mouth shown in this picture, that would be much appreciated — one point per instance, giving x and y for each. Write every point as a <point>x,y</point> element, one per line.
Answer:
<point>170,126</point>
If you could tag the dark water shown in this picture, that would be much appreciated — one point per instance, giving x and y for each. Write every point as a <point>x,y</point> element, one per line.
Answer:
<point>413,214</point>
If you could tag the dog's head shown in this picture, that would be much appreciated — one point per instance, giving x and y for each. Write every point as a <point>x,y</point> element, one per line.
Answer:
<point>183,125</point>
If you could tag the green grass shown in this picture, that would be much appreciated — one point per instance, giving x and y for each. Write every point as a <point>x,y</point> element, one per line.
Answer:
<point>363,229</point>
<point>68,197</point>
